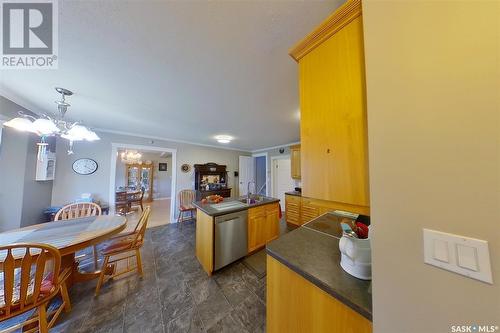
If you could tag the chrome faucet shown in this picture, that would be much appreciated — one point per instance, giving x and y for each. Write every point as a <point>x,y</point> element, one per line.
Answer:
<point>249,194</point>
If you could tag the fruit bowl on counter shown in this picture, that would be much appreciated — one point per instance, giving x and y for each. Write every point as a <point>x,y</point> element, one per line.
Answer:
<point>215,198</point>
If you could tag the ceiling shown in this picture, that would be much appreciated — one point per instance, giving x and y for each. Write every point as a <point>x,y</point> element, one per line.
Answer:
<point>177,70</point>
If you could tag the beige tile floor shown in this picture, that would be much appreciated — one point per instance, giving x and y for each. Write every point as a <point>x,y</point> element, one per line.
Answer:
<point>160,214</point>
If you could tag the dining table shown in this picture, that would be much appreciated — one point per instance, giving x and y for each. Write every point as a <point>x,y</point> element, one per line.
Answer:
<point>69,237</point>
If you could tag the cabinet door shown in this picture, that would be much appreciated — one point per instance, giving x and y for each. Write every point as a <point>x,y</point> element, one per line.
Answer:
<point>272,222</point>
<point>333,119</point>
<point>256,228</point>
<point>295,161</point>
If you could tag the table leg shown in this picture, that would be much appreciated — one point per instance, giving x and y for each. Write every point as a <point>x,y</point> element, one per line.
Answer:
<point>76,276</point>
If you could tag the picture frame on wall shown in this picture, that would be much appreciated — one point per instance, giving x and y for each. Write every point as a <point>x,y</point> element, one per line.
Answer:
<point>162,166</point>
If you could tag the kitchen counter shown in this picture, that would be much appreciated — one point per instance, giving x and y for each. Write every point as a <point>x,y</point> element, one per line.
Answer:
<point>208,208</point>
<point>313,252</point>
<point>294,193</point>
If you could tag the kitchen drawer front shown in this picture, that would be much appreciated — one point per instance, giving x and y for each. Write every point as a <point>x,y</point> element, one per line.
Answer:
<point>257,211</point>
<point>292,209</point>
<point>308,210</point>
<point>272,208</point>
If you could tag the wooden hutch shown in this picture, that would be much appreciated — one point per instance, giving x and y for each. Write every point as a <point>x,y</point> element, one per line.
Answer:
<point>210,178</point>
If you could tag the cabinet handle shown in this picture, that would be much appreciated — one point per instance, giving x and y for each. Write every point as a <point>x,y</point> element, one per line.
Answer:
<point>328,150</point>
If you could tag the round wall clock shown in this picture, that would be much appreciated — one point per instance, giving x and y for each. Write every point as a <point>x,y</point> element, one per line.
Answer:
<point>85,166</point>
<point>185,167</point>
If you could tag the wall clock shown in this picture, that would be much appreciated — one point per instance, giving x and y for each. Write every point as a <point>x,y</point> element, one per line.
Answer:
<point>185,168</point>
<point>85,166</point>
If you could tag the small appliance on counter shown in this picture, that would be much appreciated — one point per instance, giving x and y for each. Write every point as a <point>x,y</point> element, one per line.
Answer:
<point>355,248</point>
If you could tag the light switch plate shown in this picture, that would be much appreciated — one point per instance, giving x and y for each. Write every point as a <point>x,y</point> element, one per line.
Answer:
<point>463,255</point>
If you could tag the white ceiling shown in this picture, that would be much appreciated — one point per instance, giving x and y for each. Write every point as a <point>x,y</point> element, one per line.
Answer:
<point>180,70</point>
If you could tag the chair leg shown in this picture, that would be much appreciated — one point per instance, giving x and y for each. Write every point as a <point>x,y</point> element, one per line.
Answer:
<point>139,261</point>
<point>65,297</point>
<point>179,217</point>
<point>96,259</point>
<point>101,277</point>
<point>142,208</point>
<point>42,319</point>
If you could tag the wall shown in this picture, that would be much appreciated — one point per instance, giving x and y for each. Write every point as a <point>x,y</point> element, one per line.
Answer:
<point>22,199</point>
<point>434,144</point>
<point>68,185</point>
<point>36,194</point>
<point>12,155</point>
<point>162,180</point>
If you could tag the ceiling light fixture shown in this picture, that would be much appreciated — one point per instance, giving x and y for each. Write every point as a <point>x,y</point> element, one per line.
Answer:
<point>223,138</point>
<point>131,157</point>
<point>54,125</point>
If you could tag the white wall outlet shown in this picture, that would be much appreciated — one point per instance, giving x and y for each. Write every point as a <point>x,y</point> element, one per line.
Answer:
<point>463,255</point>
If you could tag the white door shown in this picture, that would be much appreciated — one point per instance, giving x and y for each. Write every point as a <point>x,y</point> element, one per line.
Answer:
<point>246,174</point>
<point>282,178</point>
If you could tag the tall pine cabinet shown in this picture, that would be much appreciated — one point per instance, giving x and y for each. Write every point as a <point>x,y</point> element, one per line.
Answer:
<point>334,148</point>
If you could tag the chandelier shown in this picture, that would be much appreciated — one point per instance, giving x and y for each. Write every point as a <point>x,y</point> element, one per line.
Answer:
<point>131,157</point>
<point>46,125</point>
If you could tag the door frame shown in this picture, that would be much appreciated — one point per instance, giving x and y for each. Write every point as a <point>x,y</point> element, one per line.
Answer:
<point>112,175</point>
<point>278,157</point>
<point>266,155</point>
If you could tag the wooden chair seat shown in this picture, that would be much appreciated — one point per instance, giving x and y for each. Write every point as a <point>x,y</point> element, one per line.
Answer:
<point>118,245</point>
<point>46,288</point>
<point>187,207</point>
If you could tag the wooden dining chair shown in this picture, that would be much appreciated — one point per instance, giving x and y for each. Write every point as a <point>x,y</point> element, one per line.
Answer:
<point>31,279</point>
<point>124,248</point>
<point>121,203</point>
<point>78,210</point>
<point>186,199</point>
<point>136,199</point>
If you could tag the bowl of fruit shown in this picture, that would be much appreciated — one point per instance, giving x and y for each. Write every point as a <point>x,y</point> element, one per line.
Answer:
<point>215,198</point>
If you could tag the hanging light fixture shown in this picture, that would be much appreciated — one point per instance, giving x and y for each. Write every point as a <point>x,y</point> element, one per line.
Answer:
<point>131,157</point>
<point>54,125</point>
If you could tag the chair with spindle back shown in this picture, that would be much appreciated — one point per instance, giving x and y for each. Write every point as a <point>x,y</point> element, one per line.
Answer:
<point>31,278</point>
<point>121,203</point>
<point>124,248</point>
<point>79,210</point>
<point>186,198</point>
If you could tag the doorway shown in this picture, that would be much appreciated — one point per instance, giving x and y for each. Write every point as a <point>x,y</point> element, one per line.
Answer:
<point>254,169</point>
<point>158,179</point>
<point>281,177</point>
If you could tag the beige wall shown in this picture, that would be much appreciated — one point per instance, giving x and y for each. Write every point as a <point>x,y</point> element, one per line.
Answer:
<point>433,117</point>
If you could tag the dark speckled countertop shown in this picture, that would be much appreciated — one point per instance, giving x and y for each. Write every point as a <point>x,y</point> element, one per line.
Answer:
<point>295,193</point>
<point>313,252</point>
<point>208,209</point>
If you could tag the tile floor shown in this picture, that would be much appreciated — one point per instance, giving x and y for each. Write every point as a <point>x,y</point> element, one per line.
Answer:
<point>175,294</point>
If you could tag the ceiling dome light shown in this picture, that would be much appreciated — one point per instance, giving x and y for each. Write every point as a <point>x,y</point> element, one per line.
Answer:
<point>223,138</point>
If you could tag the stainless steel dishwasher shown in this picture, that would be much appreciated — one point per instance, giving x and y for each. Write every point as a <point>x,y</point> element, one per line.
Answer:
<point>230,238</point>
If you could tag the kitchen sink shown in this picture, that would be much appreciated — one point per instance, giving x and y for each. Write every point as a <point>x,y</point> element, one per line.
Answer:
<point>252,200</point>
<point>228,205</point>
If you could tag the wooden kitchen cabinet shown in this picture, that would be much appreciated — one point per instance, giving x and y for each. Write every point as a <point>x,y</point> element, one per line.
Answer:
<point>334,154</point>
<point>295,161</point>
<point>295,305</point>
<point>263,225</point>
<point>300,210</point>
<point>292,209</point>
<point>272,222</point>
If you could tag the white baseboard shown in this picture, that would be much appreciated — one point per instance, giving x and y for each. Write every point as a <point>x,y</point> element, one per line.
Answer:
<point>158,199</point>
